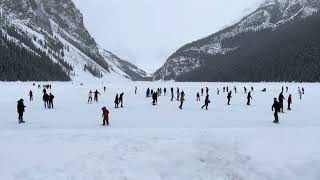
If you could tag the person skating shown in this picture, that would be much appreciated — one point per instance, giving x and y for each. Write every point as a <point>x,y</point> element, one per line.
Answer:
<point>135,90</point>
<point>90,97</point>
<point>289,102</point>
<point>224,89</point>
<point>252,89</point>
<point>287,89</point>
<point>276,108</point>
<point>51,97</point>
<point>229,97</point>
<point>46,100</point>
<point>20,109</point>
<point>148,93</point>
<point>105,116</point>
<point>249,97</point>
<point>178,94</point>
<point>154,98</point>
<point>104,89</point>
<point>227,88</point>
<point>235,89</point>
<point>121,99</point>
<point>165,91</point>
<point>207,90</point>
<point>245,90</point>
<point>181,100</point>
<point>206,102</point>
<point>281,98</point>
<point>302,90</point>
<point>198,97</point>
<point>31,95</point>
<point>116,101</point>
<point>96,96</point>
<point>300,95</point>
<point>172,95</point>
<point>202,90</point>
<point>218,91</point>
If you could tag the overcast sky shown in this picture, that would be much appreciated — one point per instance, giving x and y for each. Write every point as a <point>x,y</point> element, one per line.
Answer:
<point>146,32</point>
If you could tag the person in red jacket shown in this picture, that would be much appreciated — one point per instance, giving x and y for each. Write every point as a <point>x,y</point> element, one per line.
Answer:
<point>105,115</point>
<point>289,102</point>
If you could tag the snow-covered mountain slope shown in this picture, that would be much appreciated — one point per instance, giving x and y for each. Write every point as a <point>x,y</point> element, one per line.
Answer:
<point>270,16</point>
<point>56,27</point>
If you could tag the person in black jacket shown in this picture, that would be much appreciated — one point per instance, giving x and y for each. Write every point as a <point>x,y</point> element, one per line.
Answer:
<point>276,108</point>
<point>116,101</point>
<point>96,96</point>
<point>249,97</point>
<point>46,100</point>
<point>198,96</point>
<point>51,97</point>
<point>121,99</point>
<point>281,98</point>
<point>20,109</point>
<point>229,97</point>
<point>31,95</point>
<point>172,95</point>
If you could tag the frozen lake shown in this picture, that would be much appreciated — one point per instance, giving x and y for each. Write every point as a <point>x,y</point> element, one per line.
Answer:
<point>159,142</point>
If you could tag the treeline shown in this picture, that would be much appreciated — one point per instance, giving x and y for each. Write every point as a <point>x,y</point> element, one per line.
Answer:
<point>289,53</point>
<point>20,62</point>
<point>93,70</point>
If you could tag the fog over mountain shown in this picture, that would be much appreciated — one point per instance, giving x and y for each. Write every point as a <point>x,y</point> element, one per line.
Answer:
<point>147,32</point>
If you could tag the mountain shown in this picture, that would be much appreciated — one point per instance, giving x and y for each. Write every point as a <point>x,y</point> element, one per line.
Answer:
<point>279,41</point>
<point>53,31</point>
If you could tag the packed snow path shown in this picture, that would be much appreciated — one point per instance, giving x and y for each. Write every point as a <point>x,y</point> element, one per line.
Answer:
<point>159,142</point>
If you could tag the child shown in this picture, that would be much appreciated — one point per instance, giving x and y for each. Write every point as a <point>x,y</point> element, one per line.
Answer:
<point>105,115</point>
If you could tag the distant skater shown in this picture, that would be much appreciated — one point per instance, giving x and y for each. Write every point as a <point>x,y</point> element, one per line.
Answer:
<point>121,99</point>
<point>51,97</point>
<point>207,90</point>
<point>105,116</point>
<point>172,95</point>
<point>31,95</point>
<point>229,97</point>
<point>245,90</point>
<point>165,91</point>
<point>249,97</point>
<point>218,91</point>
<point>181,100</point>
<point>276,108</point>
<point>135,90</point>
<point>206,102</point>
<point>289,102</point>
<point>20,109</point>
<point>281,98</point>
<point>198,97</point>
<point>178,94</point>
<point>202,90</point>
<point>96,96</point>
<point>90,97</point>
<point>104,89</point>
<point>116,101</point>
<point>46,100</point>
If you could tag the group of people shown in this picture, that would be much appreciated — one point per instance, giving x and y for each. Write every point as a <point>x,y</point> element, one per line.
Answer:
<point>96,94</point>
<point>118,100</point>
<point>278,105</point>
<point>47,99</point>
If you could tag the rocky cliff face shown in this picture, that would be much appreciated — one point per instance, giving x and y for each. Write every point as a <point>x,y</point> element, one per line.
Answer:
<point>270,16</point>
<point>56,27</point>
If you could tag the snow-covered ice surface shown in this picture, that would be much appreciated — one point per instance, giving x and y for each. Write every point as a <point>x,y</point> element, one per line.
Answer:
<point>159,142</point>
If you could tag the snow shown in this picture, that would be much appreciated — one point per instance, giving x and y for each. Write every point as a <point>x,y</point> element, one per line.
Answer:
<point>158,142</point>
